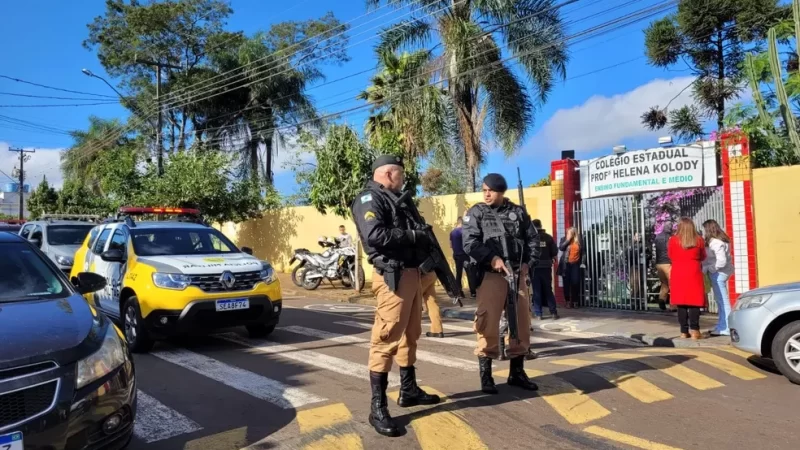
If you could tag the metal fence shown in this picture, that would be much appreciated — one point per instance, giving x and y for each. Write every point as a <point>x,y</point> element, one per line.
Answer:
<point>619,235</point>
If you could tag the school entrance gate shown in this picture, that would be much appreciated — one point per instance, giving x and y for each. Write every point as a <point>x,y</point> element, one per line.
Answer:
<point>618,204</point>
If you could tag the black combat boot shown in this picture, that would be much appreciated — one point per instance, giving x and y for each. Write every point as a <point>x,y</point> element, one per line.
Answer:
<point>487,382</point>
<point>410,393</point>
<point>379,416</point>
<point>518,377</point>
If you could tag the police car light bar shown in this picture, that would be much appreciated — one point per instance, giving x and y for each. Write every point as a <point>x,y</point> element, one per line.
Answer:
<point>183,211</point>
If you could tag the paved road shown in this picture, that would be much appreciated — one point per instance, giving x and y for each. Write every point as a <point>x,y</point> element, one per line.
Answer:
<point>306,387</point>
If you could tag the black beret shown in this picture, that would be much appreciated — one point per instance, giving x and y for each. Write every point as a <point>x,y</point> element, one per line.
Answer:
<point>495,182</point>
<point>386,160</point>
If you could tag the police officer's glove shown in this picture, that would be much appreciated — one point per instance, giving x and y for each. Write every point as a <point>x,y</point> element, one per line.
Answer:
<point>418,238</point>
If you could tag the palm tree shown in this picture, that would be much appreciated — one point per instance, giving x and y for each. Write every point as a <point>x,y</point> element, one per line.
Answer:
<point>481,85</point>
<point>83,161</point>
<point>247,119</point>
<point>406,105</point>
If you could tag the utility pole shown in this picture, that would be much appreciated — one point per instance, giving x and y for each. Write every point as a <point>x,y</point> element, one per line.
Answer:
<point>22,158</point>
<point>160,124</point>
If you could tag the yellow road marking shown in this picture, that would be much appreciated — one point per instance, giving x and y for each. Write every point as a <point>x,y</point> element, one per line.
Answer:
<point>569,401</point>
<point>691,377</point>
<point>443,430</point>
<point>627,439</point>
<point>348,441</point>
<point>718,362</point>
<point>232,439</point>
<point>736,351</point>
<point>632,384</point>
<point>323,417</point>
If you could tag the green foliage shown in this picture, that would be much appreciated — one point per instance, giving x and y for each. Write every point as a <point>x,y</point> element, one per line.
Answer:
<point>543,182</point>
<point>342,169</point>
<point>483,89</point>
<point>711,38</point>
<point>204,63</point>
<point>43,200</point>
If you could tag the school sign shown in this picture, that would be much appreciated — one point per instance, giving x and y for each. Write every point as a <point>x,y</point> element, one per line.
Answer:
<point>655,169</point>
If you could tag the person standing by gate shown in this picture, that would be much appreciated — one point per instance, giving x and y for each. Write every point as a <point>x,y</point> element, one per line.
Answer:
<point>663,263</point>
<point>719,268</point>
<point>516,241</point>
<point>461,258</point>
<point>573,259</point>
<point>396,248</point>
<point>687,251</point>
<point>542,282</point>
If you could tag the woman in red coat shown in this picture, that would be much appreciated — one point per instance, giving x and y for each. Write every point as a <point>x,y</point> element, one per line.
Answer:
<point>687,251</point>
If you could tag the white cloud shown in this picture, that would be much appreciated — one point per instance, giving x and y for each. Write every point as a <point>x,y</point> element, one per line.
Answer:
<point>44,162</point>
<point>602,122</point>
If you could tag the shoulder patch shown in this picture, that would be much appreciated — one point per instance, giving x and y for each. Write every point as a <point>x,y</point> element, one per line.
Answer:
<point>466,218</point>
<point>366,198</point>
<point>512,215</point>
<point>369,216</point>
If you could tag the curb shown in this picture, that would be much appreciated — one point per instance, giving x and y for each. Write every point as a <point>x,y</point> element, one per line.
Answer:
<point>647,339</point>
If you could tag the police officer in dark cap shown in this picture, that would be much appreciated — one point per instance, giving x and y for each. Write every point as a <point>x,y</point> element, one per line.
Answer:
<point>484,223</point>
<point>396,249</point>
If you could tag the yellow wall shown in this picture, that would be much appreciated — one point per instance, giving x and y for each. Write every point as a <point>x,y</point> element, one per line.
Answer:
<point>776,205</point>
<point>275,236</point>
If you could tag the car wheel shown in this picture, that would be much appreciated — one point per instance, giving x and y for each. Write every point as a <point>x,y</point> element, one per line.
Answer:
<point>135,333</point>
<point>786,351</point>
<point>261,330</point>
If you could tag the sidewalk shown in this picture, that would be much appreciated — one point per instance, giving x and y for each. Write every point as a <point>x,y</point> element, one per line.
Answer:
<point>651,328</point>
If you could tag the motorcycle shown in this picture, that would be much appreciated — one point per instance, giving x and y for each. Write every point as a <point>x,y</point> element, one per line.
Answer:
<point>302,255</point>
<point>335,263</point>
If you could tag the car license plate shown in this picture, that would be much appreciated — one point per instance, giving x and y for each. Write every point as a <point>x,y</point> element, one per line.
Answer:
<point>12,441</point>
<point>228,305</point>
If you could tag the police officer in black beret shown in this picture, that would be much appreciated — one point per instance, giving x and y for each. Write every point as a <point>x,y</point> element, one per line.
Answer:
<point>396,249</point>
<point>485,250</point>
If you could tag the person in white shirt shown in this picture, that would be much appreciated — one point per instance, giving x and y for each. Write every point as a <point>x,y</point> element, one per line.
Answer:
<point>719,267</point>
<point>344,239</point>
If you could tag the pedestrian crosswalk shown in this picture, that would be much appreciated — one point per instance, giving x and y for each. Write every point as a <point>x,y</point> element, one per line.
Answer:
<point>324,418</point>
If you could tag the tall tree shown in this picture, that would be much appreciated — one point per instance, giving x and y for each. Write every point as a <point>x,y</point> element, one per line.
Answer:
<point>710,39</point>
<point>221,90</point>
<point>483,87</point>
<point>404,103</point>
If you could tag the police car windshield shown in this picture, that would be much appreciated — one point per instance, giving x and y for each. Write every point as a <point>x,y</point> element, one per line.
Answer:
<point>67,234</point>
<point>180,241</point>
<point>24,275</point>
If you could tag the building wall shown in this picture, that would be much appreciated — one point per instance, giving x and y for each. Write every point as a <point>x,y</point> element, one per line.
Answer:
<point>776,204</point>
<point>275,236</point>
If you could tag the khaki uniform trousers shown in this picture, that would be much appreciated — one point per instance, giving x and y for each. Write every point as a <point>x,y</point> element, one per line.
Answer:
<point>398,322</point>
<point>491,303</point>
<point>429,298</point>
<point>664,271</point>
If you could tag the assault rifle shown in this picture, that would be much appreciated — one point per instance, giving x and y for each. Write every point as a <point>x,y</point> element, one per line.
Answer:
<point>436,261</point>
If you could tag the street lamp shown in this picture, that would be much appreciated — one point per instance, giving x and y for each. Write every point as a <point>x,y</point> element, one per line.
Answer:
<point>89,73</point>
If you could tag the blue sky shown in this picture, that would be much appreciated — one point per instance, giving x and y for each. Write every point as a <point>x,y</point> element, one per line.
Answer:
<point>597,107</point>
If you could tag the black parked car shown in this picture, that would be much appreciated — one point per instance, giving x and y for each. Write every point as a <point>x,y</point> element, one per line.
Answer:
<point>66,374</point>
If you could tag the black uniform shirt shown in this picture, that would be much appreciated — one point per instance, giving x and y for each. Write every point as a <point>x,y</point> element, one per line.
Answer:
<point>521,235</point>
<point>548,248</point>
<point>382,227</point>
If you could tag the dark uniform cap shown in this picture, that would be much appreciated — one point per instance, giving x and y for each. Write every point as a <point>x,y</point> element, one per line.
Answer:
<point>495,182</point>
<point>385,160</point>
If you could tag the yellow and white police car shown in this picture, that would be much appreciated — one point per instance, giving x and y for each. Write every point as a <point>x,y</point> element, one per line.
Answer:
<point>178,276</point>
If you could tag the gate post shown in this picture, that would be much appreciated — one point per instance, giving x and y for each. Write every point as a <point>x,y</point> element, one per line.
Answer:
<point>565,187</point>
<point>737,171</point>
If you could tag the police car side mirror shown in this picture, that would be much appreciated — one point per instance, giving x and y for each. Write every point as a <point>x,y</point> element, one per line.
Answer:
<point>247,250</point>
<point>88,282</point>
<point>36,241</point>
<point>112,255</point>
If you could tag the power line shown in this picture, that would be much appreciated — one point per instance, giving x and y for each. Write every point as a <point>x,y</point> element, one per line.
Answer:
<point>48,97</point>
<point>52,87</point>
<point>59,106</point>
